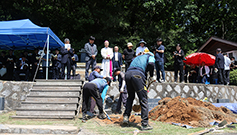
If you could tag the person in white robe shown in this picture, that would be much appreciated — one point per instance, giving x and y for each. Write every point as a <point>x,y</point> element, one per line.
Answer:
<point>107,54</point>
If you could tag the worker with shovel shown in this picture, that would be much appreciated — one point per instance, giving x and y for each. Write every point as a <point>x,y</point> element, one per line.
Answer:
<point>135,78</point>
<point>96,89</point>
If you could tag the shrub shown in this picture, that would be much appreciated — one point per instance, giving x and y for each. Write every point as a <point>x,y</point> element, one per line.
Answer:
<point>233,77</point>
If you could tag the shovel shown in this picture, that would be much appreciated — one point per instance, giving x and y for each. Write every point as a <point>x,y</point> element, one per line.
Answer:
<point>220,125</point>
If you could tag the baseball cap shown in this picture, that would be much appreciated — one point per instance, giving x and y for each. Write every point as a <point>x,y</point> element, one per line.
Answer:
<point>98,67</point>
<point>108,80</point>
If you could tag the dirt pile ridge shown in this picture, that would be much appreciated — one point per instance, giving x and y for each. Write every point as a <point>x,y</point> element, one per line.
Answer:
<point>190,111</point>
<point>118,119</point>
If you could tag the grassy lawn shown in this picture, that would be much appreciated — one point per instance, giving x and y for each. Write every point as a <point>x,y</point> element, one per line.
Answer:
<point>99,127</point>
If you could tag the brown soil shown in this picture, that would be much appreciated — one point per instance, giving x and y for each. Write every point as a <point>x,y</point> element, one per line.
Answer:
<point>190,111</point>
<point>118,119</point>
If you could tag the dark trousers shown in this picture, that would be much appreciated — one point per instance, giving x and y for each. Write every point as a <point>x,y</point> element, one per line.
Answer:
<point>122,99</point>
<point>90,90</point>
<point>127,64</point>
<point>56,72</point>
<point>160,67</point>
<point>34,67</point>
<point>227,76</point>
<point>136,83</point>
<point>221,73</point>
<point>91,62</point>
<point>10,72</point>
<point>92,105</point>
<point>73,68</point>
<point>116,65</point>
<point>179,68</point>
<point>18,72</point>
<point>68,64</point>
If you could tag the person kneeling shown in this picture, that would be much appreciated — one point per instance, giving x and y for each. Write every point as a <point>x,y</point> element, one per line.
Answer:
<point>96,89</point>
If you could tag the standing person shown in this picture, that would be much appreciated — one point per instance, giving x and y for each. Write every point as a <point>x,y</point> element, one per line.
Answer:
<point>56,63</point>
<point>107,54</point>
<point>233,65</point>
<point>141,48</point>
<point>204,73</point>
<point>227,69</point>
<point>185,71</point>
<point>66,58</point>
<point>193,74</point>
<point>93,75</point>
<point>159,56</point>
<point>219,65</point>
<point>91,52</point>
<point>122,89</point>
<point>128,55</point>
<point>35,61</point>
<point>117,61</point>
<point>3,62</point>
<point>178,63</point>
<point>96,89</point>
<point>74,63</point>
<point>44,62</point>
<point>135,78</point>
<point>11,60</point>
<point>214,75</point>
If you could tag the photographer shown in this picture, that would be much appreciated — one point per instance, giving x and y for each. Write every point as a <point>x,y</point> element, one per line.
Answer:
<point>158,51</point>
<point>178,63</point>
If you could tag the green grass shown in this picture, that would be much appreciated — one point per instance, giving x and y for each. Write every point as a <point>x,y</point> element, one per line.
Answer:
<point>94,125</point>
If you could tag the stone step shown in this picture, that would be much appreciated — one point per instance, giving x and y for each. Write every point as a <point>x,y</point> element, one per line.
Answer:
<point>45,113</point>
<point>50,100</point>
<point>55,90</point>
<point>38,129</point>
<point>49,107</point>
<point>59,83</point>
<point>53,94</point>
<point>44,117</point>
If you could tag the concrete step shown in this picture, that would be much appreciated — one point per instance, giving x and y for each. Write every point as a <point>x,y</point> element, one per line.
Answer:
<point>38,129</point>
<point>64,83</point>
<point>53,94</point>
<point>56,88</point>
<point>45,113</point>
<point>44,117</point>
<point>48,107</point>
<point>50,100</point>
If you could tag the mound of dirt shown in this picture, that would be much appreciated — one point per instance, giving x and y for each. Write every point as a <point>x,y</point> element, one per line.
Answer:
<point>190,111</point>
<point>118,119</point>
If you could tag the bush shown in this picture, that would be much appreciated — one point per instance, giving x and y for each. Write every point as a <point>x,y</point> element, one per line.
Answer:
<point>233,77</point>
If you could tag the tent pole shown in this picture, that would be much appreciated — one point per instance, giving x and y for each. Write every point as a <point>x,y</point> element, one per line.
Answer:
<point>47,58</point>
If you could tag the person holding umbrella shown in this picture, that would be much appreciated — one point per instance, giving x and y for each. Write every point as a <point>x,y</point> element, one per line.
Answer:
<point>178,63</point>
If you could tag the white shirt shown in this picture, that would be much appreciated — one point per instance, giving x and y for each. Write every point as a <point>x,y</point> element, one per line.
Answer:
<point>116,56</point>
<point>227,63</point>
<point>207,69</point>
<point>140,49</point>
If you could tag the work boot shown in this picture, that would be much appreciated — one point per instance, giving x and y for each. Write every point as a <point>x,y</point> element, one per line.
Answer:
<point>125,120</point>
<point>84,118</point>
<point>101,116</point>
<point>146,127</point>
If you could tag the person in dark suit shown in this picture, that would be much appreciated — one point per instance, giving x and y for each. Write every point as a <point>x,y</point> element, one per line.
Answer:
<point>219,65</point>
<point>91,52</point>
<point>11,60</point>
<point>67,54</point>
<point>22,67</point>
<point>35,61</point>
<point>117,61</point>
<point>56,63</point>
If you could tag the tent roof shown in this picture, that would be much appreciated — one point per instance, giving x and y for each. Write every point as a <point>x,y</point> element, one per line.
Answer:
<point>214,42</point>
<point>25,35</point>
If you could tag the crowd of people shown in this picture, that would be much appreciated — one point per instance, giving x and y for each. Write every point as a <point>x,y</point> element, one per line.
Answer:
<point>28,65</point>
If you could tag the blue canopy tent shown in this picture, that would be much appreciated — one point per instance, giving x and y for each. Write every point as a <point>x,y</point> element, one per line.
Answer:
<point>25,35</point>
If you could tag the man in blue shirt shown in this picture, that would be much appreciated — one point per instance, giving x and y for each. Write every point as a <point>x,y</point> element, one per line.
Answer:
<point>135,78</point>
<point>158,51</point>
<point>96,89</point>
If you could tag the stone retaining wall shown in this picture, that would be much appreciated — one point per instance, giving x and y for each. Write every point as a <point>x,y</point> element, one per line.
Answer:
<point>197,91</point>
<point>14,93</point>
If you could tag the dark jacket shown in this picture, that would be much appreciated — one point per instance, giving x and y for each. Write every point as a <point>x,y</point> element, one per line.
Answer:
<point>178,60</point>
<point>57,62</point>
<point>120,59</point>
<point>89,51</point>
<point>66,55</point>
<point>219,61</point>
<point>128,55</point>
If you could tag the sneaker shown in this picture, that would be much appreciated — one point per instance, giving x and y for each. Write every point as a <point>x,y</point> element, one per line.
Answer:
<point>101,116</point>
<point>125,120</point>
<point>147,127</point>
<point>84,117</point>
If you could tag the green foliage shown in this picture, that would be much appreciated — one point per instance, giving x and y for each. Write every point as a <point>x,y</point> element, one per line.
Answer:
<point>233,77</point>
<point>187,22</point>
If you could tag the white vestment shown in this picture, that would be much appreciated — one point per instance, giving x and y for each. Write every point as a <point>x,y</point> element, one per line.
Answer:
<point>106,52</point>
